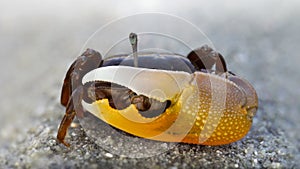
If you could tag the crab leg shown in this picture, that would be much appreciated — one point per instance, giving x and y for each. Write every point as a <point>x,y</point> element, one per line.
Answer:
<point>205,57</point>
<point>74,106</point>
<point>89,60</point>
<point>71,95</point>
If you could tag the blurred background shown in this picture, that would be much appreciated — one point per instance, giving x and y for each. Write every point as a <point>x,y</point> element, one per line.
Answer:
<point>39,39</point>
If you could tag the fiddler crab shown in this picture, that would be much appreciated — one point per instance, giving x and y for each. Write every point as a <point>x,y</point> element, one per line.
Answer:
<point>160,96</point>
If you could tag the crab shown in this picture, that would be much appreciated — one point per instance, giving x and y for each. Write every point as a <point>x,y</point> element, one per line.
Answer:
<point>160,96</point>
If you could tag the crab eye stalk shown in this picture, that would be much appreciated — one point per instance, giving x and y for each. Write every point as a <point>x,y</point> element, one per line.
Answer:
<point>133,40</point>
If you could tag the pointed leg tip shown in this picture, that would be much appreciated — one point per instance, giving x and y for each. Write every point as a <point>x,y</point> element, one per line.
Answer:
<point>63,142</point>
<point>66,144</point>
